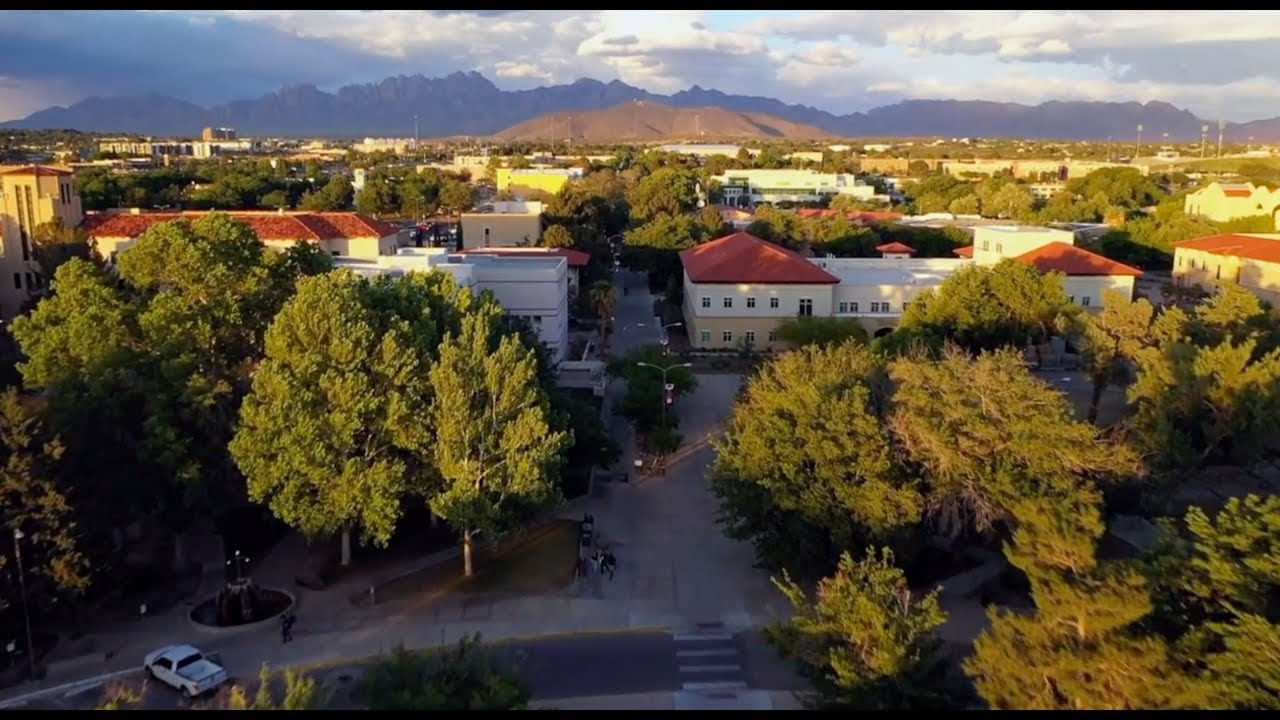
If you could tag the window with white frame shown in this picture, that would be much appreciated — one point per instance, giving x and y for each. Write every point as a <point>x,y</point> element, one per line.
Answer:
<point>875,307</point>
<point>853,307</point>
<point>728,302</point>
<point>844,307</point>
<point>727,336</point>
<point>773,335</point>
<point>806,307</point>
<point>1084,301</point>
<point>750,336</point>
<point>773,302</point>
<point>704,336</point>
<point>751,302</point>
<point>706,302</point>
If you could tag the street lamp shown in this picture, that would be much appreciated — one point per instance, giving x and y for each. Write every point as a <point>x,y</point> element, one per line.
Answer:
<point>666,387</point>
<point>26,612</point>
<point>240,561</point>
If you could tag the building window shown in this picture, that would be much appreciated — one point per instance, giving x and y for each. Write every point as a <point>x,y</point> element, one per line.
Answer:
<point>31,283</point>
<point>773,302</point>
<point>885,307</point>
<point>39,281</point>
<point>1072,299</point>
<point>486,237</point>
<point>773,335</point>
<point>706,302</point>
<point>334,253</point>
<point>750,337</point>
<point>17,280</point>
<point>704,336</point>
<point>727,336</point>
<point>806,307</point>
<point>1218,274</point>
<point>986,245</point>
<point>1085,301</point>
<point>751,302</point>
<point>875,307</point>
<point>999,247</point>
<point>728,302</point>
<point>853,307</point>
<point>844,307</point>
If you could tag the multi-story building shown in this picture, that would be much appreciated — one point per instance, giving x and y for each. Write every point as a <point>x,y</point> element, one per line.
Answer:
<point>743,187</point>
<point>1221,202</point>
<point>510,223</point>
<point>29,197</point>
<point>534,287</point>
<point>739,287</point>
<point>342,234</point>
<point>1250,260</point>
<point>576,259</point>
<point>547,180</point>
<point>217,133</point>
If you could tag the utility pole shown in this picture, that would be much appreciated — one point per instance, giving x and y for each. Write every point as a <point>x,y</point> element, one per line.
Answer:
<point>26,611</point>
<point>1222,128</point>
<point>415,131</point>
<point>1204,135</point>
<point>1137,148</point>
<point>666,388</point>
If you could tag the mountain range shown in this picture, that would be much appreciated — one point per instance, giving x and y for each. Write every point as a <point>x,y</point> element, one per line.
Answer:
<point>469,104</point>
<point>639,121</point>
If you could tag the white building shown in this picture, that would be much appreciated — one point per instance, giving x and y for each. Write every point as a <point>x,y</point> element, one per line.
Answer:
<point>532,287</point>
<point>704,151</point>
<point>743,187</point>
<point>739,287</point>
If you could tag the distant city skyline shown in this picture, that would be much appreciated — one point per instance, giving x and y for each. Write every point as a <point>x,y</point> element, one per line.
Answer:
<point>1214,63</point>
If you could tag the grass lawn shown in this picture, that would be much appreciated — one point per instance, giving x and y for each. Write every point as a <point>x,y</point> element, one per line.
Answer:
<point>1226,164</point>
<point>540,562</point>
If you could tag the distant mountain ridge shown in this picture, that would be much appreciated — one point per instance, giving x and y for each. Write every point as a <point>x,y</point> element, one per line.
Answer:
<point>639,121</point>
<point>469,104</point>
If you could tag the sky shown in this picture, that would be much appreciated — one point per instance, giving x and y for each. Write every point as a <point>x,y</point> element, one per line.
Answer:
<point>1218,64</point>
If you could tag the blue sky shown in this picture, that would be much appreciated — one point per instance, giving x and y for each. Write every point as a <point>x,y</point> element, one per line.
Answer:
<point>1215,63</point>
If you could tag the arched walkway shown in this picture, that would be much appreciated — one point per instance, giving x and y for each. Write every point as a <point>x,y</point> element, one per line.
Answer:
<point>882,332</point>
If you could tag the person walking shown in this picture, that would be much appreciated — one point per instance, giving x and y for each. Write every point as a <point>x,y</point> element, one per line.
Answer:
<point>610,562</point>
<point>286,627</point>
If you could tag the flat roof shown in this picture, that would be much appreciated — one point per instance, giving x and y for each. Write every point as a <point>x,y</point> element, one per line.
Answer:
<point>890,275</point>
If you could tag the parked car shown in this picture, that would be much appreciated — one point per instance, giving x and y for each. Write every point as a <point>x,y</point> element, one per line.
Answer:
<point>186,669</point>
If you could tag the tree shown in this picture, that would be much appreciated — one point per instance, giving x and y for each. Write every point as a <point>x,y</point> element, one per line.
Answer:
<point>835,484</point>
<point>668,190</point>
<point>1012,200</point>
<point>380,197</point>
<point>593,445</point>
<point>986,433</point>
<point>300,693</point>
<point>1110,340</point>
<point>712,222</point>
<point>54,244</point>
<point>865,641</point>
<point>654,247</point>
<point>457,197</point>
<point>984,308</point>
<point>277,199</point>
<point>498,454</point>
<point>814,330</point>
<point>33,501</point>
<point>460,677</point>
<point>556,236</point>
<point>337,194</point>
<point>349,357</point>
<point>604,298</point>
<point>643,403</point>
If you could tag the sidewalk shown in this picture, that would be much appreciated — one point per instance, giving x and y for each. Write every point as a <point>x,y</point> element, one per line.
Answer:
<point>679,700</point>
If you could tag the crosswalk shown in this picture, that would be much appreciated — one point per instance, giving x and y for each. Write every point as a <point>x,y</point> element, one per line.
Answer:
<point>709,660</point>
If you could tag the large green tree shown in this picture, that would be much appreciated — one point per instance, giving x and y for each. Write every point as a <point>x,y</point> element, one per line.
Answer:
<point>1110,340</point>
<point>459,677</point>
<point>496,451</point>
<point>815,330</point>
<point>865,641</point>
<point>53,243</point>
<point>835,484</point>
<point>337,428</point>
<point>668,190</point>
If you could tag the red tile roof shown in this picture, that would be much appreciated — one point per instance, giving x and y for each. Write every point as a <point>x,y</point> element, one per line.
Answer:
<point>575,258</point>
<point>1253,247</point>
<point>744,258</point>
<point>896,247</point>
<point>964,252</point>
<point>1070,260</point>
<point>38,171</point>
<point>270,226</point>
<point>1237,192</point>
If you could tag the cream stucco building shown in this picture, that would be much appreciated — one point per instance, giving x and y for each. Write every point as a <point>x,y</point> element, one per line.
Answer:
<point>1252,261</point>
<point>1221,202</point>
<point>509,223</point>
<point>29,197</point>
<point>739,287</point>
<point>739,187</point>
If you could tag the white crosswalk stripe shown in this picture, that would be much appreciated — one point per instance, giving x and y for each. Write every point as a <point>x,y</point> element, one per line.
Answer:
<point>709,659</point>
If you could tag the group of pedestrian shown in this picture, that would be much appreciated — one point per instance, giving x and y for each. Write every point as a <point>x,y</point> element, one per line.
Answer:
<point>604,561</point>
<point>601,561</point>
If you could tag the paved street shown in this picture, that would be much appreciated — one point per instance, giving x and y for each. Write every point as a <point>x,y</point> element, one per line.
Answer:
<point>556,667</point>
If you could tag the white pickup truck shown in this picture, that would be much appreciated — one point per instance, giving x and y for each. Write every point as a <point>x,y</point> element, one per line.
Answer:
<point>185,668</point>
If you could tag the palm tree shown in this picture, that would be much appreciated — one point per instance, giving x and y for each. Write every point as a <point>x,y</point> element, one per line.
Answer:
<point>604,298</point>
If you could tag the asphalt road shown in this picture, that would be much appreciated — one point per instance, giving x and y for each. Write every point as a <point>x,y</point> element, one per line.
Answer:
<point>555,667</point>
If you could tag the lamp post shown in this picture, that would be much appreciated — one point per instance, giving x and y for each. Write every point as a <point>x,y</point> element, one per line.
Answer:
<point>240,561</point>
<point>665,387</point>
<point>22,588</point>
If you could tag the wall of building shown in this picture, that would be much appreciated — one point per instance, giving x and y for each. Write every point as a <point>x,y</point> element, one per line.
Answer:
<point>748,300</point>
<point>504,230</point>
<point>1209,271</point>
<point>26,202</point>
<point>991,243</point>
<point>1087,290</point>
<point>1245,200</point>
<point>548,181</point>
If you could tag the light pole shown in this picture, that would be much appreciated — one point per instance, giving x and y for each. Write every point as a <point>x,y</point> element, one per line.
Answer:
<point>664,339</point>
<point>240,561</point>
<point>665,387</point>
<point>26,612</point>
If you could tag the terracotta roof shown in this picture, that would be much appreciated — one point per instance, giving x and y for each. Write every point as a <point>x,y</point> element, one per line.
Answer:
<point>895,247</point>
<point>38,171</point>
<point>964,252</point>
<point>1263,247</point>
<point>1238,193</point>
<point>1071,260</point>
<point>575,258</point>
<point>270,226</point>
<point>744,258</point>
